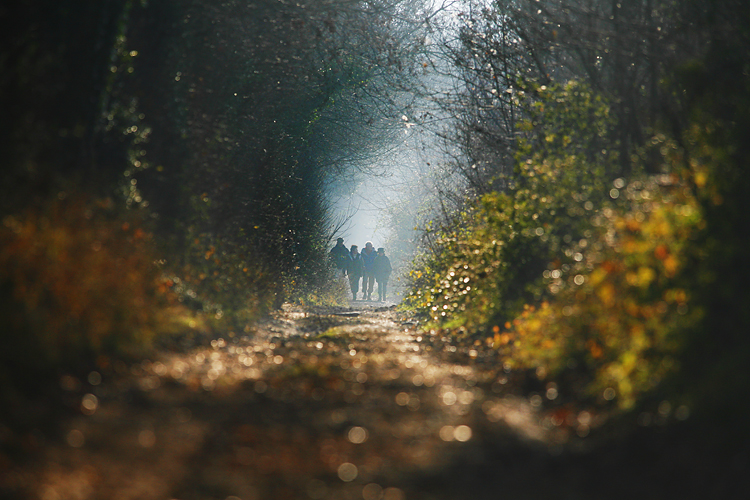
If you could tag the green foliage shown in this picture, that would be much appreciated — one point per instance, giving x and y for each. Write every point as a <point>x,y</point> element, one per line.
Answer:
<point>593,281</point>
<point>618,314</point>
<point>330,292</point>
<point>226,281</point>
<point>490,262</point>
<point>616,289</point>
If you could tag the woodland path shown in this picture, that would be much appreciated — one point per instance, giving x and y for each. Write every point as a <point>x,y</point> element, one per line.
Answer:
<point>323,403</point>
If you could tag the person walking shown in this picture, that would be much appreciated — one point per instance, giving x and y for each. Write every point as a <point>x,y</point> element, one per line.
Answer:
<point>368,280</point>
<point>355,270</point>
<point>382,269</point>
<point>340,257</point>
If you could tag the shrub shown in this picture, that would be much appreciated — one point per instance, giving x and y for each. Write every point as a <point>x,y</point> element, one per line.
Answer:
<point>77,280</point>
<point>489,262</point>
<point>226,280</point>
<point>569,273</point>
<point>619,313</point>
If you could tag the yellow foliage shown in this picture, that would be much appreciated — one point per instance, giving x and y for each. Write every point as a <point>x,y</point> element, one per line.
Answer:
<point>620,320</point>
<point>671,265</point>
<point>645,276</point>
<point>606,293</point>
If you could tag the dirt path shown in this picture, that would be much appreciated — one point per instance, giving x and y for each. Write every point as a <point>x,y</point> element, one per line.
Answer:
<point>329,404</point>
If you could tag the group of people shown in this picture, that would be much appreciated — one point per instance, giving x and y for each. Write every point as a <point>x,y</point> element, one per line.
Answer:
<point>369,266</point>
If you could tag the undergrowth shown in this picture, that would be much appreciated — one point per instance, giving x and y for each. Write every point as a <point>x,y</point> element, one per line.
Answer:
<point>591,280</point>
<point>82,283</point>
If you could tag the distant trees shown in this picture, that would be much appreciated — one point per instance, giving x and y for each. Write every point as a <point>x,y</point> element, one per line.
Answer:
<point>220,128</point>
<point>620,49</point>
<point>272,105</point>
<point>503,58</point>
<point>231,123</point>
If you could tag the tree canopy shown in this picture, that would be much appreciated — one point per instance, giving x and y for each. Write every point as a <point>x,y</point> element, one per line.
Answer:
<point>217,132</point>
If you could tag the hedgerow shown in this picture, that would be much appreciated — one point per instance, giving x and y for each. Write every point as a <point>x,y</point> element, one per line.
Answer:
<point>573,272</point>
<point>489,262</point>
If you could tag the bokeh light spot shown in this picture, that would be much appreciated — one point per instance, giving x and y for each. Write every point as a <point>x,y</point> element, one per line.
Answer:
<point>466,397</point>
<point>665,408</point>
<point>347,472</point>
<point>372,491</point>
<point>147,438</point>
<point>393,494</point>
<point>95,378</point>
<point>462,433</point>
<point>402,399</point>
<point>682,412</point>
<point>447,433</point>
<point>449,398</point>
<point>89,404</point>
<point>584,418</point>
<point>75,438</point>
<point>357,435</point>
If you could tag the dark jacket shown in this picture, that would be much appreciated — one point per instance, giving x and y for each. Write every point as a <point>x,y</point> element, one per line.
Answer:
<point>382,268</point>
<point>340,256</point>
<point>356,267</point>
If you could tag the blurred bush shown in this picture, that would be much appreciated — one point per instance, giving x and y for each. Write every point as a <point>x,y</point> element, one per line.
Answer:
<point>227,281</point>
<point>616,324</point>
<point>333,291</point>
<point>489,262</point>
<point>615,288</point>
<point>77,280</point>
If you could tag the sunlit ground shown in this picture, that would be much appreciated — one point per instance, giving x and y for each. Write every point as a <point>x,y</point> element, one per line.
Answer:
<point>347,403</point>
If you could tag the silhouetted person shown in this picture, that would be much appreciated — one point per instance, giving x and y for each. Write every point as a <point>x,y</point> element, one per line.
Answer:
<point>356,270</point>
<point>382,270</point>
<point>368,280</point>
<point>340,257</point>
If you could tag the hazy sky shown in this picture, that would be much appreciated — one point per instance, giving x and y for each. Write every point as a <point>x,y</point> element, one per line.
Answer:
<point>403,174</point>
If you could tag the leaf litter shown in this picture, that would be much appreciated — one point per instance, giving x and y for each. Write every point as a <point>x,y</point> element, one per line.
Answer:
<point>315,403</point>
